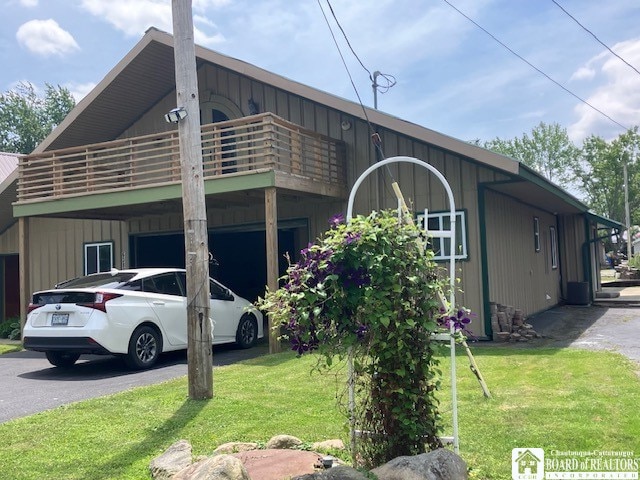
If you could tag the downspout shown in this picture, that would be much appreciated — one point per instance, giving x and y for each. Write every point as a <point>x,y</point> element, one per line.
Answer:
<point>586,257</point>
<point>484,262</point>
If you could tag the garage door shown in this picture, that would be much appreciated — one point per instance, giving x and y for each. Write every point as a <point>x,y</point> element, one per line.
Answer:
<point>240,254</point>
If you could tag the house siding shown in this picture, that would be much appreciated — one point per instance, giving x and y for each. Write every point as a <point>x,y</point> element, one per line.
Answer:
<point>56,247</point>
<point>518,275</point>
<point>572,237</point>
<point>584,253</point>
<point>9,240</point>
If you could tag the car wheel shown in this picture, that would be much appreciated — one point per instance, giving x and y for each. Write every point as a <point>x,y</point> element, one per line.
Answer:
<point>247,334</point>
<point>62,359</point>
<point>145,346</point>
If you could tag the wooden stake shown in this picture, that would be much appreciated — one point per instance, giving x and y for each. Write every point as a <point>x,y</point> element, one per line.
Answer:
<point>199,350</point>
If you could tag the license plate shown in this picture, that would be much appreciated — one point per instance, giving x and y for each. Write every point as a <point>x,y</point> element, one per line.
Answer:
<point>59,319</point>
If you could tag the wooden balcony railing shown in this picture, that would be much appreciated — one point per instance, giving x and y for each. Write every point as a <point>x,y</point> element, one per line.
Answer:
<point>233,147</point>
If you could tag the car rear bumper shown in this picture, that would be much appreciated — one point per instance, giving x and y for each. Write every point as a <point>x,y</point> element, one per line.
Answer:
<point>67,344</point>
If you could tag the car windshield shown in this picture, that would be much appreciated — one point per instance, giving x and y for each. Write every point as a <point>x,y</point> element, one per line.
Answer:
<point>106,280</point>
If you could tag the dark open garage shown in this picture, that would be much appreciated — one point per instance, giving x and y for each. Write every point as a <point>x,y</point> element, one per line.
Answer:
<point>240,254</point>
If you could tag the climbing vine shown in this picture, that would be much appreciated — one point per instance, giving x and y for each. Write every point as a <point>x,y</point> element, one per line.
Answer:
<point>369,289</point>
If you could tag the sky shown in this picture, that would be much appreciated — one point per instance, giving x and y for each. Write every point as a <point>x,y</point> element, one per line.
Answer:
<point>451,76</point>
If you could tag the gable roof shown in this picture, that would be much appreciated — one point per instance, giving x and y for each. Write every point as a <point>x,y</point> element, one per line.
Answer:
<point>8,188</point>
<point>118,101</point>
<point>112,106</point>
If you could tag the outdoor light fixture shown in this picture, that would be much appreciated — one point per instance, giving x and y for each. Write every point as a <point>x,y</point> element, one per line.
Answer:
<point>175,115</point>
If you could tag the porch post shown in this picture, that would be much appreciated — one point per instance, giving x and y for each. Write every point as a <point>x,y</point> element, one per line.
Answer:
<point>271,227</point>
<point>23,267</point>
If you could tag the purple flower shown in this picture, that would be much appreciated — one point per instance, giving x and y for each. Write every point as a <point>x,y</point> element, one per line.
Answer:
<point>336,220</point>
<point>459,321</point>
<point>352,237</point>
<point>299,346</point>
<point>361,331</point>
<point>355,278</point>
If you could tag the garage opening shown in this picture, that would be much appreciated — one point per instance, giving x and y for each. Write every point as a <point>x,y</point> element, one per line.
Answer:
<point>9,287</point>
<point>240,253</point>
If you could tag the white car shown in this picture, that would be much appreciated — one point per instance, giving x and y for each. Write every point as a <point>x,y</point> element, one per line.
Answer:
<point>136,313</point>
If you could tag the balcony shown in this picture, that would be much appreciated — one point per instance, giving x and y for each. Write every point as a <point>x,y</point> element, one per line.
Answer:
<point>302,160</point>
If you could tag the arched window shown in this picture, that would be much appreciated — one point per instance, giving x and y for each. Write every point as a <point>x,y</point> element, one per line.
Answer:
<point>220,109</point>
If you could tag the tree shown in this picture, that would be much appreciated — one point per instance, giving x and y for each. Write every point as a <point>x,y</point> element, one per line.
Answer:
<point>601,175</point>
<point>548,150</point>
<point>26,119</point>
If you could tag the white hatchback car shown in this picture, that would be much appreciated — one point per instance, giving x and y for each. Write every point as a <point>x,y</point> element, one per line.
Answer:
<point>136,313</point>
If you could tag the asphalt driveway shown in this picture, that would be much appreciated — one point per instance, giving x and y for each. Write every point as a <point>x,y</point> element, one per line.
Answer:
<point>30,384</point>
<point>596,327</point>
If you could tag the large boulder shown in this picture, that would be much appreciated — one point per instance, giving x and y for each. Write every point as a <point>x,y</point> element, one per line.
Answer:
<point>328,445</point>
<point>440,464</point>
<point>276,464</point>
<point>235,447</point>
<point>218,467</point>
<point>283,441</point>
<point>174,459</point>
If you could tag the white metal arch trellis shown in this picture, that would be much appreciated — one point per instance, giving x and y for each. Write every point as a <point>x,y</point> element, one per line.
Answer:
<point>451,234</point>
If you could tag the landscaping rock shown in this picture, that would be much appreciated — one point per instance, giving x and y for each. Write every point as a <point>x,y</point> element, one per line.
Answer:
<point>440,464</point>
<point>335,473</point>
<point>174,459</point>
<point>219,467</point>
<point>284,441</point>
<point>235,447</point>
<point>328,446</point>
<point>277,464</point>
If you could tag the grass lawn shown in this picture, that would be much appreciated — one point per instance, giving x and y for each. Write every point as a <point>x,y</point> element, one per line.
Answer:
<point>8,348</point>
<point>562,399</point>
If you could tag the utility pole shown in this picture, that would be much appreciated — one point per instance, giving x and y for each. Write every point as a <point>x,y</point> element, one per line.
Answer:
<point>199,350</point>
<point>627,216</point>
<point>374,79</point>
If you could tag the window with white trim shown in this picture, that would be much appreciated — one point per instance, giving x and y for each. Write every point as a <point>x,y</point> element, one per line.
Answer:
<point>98,257</point>
<point>536,234</point>
<point>442,221</point>
<point>554,247</point>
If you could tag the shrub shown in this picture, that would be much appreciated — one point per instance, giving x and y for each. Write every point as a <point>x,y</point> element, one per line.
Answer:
<point>10,329</point>
<point>635,261</point>
<point>370,290</point>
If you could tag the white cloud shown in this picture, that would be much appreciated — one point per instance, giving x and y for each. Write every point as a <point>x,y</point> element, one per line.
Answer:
<point>134,18</point>
<point>205,4</point>
<point>583,73</point>
<point>29,3</point>
<point>80,90</point>
<point>618,95</point>
<point>46,37</point>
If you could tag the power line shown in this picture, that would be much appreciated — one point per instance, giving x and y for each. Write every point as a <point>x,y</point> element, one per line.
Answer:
<point>536,68</point>
<point>390,80</point>
<point>374,135</point>
<point>346,38</point>
<point>345,63</point>
<point>594,36</point>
